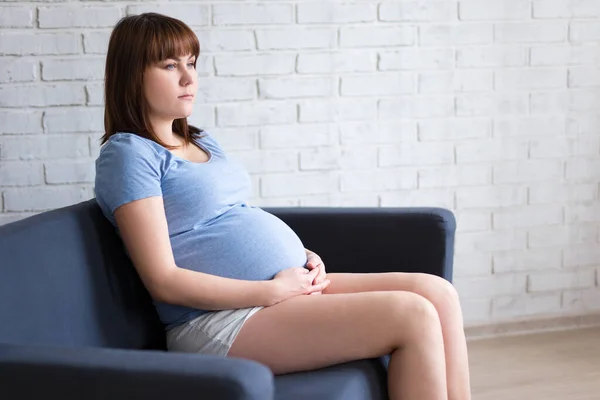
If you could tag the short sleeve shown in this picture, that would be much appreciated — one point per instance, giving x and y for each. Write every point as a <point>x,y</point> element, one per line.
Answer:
<point>127,169</point>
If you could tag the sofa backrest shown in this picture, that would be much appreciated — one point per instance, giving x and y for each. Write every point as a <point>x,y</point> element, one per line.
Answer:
<point>66,280</point>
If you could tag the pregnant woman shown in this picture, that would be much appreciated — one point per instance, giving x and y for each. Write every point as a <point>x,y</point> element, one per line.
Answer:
<point>228,278</point>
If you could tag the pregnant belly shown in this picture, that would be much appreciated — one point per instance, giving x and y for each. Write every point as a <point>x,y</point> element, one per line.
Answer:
<point>243,243</point>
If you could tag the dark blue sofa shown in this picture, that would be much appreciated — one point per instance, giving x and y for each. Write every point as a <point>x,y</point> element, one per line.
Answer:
<point>76,322</point>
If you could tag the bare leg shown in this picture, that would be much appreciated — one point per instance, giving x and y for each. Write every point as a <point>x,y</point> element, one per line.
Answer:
<point>445,299</point>
<point>309,332</point>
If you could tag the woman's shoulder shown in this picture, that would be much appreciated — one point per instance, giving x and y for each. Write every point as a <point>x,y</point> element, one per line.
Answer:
<point>130,144</point>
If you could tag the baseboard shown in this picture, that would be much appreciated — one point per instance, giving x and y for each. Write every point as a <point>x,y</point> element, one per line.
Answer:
<point>531,326</point>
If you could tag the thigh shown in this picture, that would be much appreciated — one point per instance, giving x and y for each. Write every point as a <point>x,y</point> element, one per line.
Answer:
<point>308,332</point>
<point>429,286</point>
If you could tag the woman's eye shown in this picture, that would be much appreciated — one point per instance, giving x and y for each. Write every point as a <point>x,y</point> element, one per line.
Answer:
<point>170,66</point>
<point>190,65</point>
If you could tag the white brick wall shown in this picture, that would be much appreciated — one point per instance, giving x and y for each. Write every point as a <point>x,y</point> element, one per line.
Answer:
<point>490,108</point>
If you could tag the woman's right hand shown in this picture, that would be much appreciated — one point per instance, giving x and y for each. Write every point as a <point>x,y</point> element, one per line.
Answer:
<point>292,282</point>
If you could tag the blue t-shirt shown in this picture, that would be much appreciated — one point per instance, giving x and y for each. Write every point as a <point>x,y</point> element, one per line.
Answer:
<point>212,229</point>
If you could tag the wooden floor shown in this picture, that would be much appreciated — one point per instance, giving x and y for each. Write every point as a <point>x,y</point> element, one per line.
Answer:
<point>549,366</point>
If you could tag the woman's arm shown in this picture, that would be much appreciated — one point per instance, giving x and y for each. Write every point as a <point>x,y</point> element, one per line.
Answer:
<point>143,227</point>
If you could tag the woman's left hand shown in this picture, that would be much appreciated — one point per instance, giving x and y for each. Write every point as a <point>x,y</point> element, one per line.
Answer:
<point>313,261</point>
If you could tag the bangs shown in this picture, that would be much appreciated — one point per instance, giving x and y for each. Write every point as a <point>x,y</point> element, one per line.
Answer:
<point>171,39</point>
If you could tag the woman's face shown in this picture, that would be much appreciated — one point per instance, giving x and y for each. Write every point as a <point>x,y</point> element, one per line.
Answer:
<point>170,88</point>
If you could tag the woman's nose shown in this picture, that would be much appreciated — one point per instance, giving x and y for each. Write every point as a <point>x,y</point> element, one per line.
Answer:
<point>187,77</point>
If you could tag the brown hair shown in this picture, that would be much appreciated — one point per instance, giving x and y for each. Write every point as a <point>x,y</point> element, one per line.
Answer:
<point>136,42</point>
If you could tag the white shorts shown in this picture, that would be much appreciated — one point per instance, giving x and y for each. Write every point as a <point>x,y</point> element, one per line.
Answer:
<point>211,333</point>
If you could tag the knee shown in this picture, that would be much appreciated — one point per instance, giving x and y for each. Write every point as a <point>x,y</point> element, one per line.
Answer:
<point>438,290</point>
<point>421,312</point>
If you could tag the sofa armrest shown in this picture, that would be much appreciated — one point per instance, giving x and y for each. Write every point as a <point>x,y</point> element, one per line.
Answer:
<point>36,372</point>
<point>410,239</point>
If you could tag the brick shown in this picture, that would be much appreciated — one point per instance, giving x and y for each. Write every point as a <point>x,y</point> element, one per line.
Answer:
<point>341,200</point>
<point>526,171</point>
<point>584,77</point>
<point>16,17</point>
<point>564,147</point>
<point>94,94</point>
<point>470,242</point>
<point>298,136</point>
<point>491,286</point>
<point>18,70</point>
<point>545,259</point>
<point>247,14</point>
<point>548,102</point>
<point>322,158</point>
<point>545,281</point>
<point>354,109</point>
<point>267,161</point>
<point>582,124</point>
<point>317,12</point>
<point>232,139</point>
<point>454,129</point>
<point>417,107</point>
<point>527,79</point>
<point>559,235</point>
<point>296,38</point>
<point>456,34</point>
<point>450,82</point>
<point>378,84</point>
<point>204,115</point>
<point>378,180</point>
<point>215,90</point>
<point>454,175</point>
<point>498,104</point>
<point>417,58</point>
<point>78,16</point>
<point>546,126</point>
<point>21,173</point>
<point>491,150</point>
<point>218,39</point>
<point>565,55</point>
<point>476,311</point>
<point>74,120</point>
<point>375,36</point>
<point>528,216</point>
<point>531,32</point>
<point>20,44</point>
<point>584,31</point>
<point>35,147</point>
<point>566,9</point>
<point>347,61</point>
<point>581,301</point>
<point>73,69</point>
<point>416,154</point>
<point>96,42</point>
<point>44,198</point>
<point>81,171</point>
<point>527,305</point>
<point>540,193</point>
<point>576,213</point>
<point>474,264</point>
<point>273,185</point>
<point>7,218</point>
<point>378,133</point>
<point>192,15</point>
<point>418,11</point>
<point>576,255</point>
<point>19,122</point>
<point>496,56</point>
<point>585,101</point>
<point>418,198</point>
<point>276,202</point>
<point>264,64</point>
<point>285,88</point>
<point>472,10</point>
<point>490,196</point>
<point>256,113</point>
<point>42,96</point>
